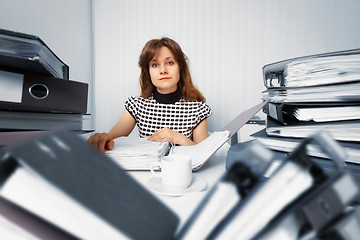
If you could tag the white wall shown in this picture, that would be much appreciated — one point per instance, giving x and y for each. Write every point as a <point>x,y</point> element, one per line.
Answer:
<point>64,25</point>
<point>228,43</point>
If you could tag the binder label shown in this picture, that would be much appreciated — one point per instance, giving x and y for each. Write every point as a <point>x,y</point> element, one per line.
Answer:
<point>11,85</point>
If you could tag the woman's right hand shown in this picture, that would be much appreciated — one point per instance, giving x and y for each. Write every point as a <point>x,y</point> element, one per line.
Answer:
<point>101,141</point>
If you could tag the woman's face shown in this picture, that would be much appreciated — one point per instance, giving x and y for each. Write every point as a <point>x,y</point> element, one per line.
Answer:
<point>164,71</point>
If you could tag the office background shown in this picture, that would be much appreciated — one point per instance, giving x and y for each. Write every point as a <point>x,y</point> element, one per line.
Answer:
<point>227,42</point>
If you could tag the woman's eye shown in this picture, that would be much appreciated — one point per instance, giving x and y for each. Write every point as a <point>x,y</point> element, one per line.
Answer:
<point>154,65</point>
<point>170,63</point>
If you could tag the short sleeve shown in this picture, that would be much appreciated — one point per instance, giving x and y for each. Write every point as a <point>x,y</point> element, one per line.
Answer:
<point>204,111</point>
<point>131,106</point>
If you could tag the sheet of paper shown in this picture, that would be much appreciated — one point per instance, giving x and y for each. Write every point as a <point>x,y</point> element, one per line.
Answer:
<point>202,151</point>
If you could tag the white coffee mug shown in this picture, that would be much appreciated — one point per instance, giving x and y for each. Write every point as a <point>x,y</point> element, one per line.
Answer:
<point>176,171</point>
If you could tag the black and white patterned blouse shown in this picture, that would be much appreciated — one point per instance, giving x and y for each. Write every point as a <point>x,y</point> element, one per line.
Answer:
<point>166,110</point>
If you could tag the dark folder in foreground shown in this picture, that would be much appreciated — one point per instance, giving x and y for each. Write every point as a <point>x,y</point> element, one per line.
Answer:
<point>94,197</point>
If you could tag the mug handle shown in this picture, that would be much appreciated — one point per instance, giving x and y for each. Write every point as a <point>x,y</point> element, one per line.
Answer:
<point>153,171</point>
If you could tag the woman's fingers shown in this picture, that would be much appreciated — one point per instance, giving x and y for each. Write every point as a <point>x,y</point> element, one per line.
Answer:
<point>101,141</point>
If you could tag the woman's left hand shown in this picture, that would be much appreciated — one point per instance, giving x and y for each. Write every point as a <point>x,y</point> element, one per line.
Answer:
<point>164,133</point>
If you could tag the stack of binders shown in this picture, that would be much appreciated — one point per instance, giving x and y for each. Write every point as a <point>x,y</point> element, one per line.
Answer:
<point>35,91</point>
<point>297,201</point>
<point>56,186</point>
<point>311,93</point>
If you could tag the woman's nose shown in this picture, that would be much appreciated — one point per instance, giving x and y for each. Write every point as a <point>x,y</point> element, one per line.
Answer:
<point>163,69</point>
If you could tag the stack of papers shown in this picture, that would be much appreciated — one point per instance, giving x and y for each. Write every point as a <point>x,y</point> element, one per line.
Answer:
<point>327,114</point>
<point>318,92</point>
<point>322,70</point>
<point>139,154</point>
<point>135,153</point>
<point>287,144</point>
<point>321,93</point>
<point>340,130</point>
<point>29,53</point>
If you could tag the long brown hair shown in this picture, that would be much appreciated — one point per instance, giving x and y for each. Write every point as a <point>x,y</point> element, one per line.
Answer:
<point>185,86</point>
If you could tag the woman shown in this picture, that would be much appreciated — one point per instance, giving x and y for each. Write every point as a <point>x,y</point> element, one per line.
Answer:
<point>169,105</point>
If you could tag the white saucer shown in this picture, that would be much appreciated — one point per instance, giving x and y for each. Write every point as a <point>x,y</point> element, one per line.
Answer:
<point>156,185</point>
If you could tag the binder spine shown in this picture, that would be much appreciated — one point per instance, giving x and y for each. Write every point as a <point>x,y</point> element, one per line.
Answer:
<point>274,111</point>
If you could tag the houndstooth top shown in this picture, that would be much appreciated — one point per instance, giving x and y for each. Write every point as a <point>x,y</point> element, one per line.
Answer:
<point>166,110</point>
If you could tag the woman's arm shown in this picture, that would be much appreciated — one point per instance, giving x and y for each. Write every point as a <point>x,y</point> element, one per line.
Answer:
<point>123,127</point>
<point>199,134</point>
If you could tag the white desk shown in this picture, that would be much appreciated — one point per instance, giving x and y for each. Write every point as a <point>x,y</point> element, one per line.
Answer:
<point>184,205</point>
